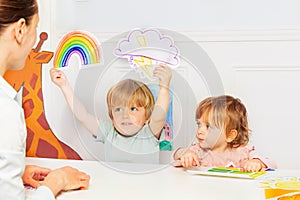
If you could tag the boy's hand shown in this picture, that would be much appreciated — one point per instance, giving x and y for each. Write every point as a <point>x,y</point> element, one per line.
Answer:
<point>254,165</point>
<point>164,74</point>
<point>189,158</point>
<point>58,77</point>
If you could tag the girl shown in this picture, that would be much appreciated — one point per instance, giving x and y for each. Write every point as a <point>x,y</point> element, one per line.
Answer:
<point>222,137</point>
<point>136,120</point>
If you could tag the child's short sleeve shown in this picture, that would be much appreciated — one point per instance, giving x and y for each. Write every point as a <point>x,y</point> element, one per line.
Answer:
<point>105,127</point>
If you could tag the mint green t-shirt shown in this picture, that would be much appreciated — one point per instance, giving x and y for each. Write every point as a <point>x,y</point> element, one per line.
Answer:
<point>142,147</point>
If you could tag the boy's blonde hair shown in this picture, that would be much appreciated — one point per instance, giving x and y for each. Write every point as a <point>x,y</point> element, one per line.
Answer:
<point>226,113</point>
<point>130,92</point>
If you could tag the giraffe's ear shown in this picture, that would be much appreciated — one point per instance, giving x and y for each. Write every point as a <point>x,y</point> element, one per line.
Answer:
<point>19,30</point>
<point>43,57</point>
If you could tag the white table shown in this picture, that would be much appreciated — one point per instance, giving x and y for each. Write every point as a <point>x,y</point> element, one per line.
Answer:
<point>167,183</point>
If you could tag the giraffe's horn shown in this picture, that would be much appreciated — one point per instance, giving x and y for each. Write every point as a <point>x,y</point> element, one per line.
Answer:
<point>43,37</point>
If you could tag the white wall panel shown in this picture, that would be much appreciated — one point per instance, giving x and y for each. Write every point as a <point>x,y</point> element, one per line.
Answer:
<point>271,95</point>
<point>256,55</point>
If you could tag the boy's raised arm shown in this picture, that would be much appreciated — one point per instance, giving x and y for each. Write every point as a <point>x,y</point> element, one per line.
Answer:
<point>158,117</point>
<point>89,121</point>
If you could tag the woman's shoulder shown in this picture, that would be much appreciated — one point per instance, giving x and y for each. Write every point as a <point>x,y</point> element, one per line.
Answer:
<point>9,107</point>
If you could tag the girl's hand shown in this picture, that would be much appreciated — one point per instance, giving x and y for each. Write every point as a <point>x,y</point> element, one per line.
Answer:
<point>58,77</point>
<point>254,165</point>
<point>164,74</point>
<point>189,158</point>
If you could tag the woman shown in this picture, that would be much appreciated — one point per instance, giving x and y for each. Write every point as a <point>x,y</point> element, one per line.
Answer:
<point>18,23</point>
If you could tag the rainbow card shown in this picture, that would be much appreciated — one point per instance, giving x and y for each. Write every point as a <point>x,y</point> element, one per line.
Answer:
<point>77,42</point>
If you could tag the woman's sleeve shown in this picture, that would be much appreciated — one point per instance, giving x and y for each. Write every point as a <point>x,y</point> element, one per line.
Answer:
<point>12,154</point>
<point>42,192</point>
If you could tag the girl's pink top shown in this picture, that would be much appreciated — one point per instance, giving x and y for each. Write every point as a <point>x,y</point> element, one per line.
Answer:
<point>238,156</point>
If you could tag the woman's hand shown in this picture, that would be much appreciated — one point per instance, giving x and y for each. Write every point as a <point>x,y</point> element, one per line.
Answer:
<point>66,178</point>
<point>34,174</point>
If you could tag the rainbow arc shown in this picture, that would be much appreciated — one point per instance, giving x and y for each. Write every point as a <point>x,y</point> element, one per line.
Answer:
<point>77,42</point>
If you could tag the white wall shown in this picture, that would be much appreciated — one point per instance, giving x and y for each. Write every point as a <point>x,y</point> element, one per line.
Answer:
<point>115,15</point>
<point>254,46</point>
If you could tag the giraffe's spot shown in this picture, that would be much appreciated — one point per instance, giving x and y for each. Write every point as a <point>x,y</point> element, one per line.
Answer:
<point>28,107</point>
<point>33,81</point>
<point>40,94</point>
<point>29,139</point>
<point>46,150</point>
<point>25,92</point>
<point>43,122</point>
<point>70,153</point>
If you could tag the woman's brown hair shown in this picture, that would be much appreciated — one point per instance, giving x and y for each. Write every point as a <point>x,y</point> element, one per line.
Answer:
<point>13,10</point>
